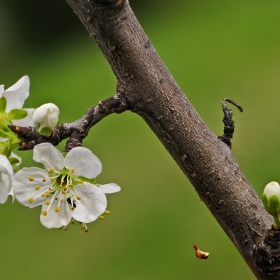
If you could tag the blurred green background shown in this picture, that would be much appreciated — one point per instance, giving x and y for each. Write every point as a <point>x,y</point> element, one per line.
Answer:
<point>214,49</point>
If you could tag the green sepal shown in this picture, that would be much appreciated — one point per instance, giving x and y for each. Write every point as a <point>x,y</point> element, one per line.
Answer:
<point>45,131</point>
<point>16,168</point>
<point>7,133</point>
<point>13,143</point>
<point>265,201</point>
<point>5,148</point>
<point>18,114</point>
<point>4,134</point>
<point>91,181</point>
<point>272,205</point>
<point>13,160</point>
<point>3,104</point>
<point>276,221</point>
<point>5,120</point>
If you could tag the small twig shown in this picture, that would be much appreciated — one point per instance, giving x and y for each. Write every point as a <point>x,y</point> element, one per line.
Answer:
<point>75,131</point>
<point>228,121</point>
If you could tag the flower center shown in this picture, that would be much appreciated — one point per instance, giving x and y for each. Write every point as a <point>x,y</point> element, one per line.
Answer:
<point>61,191</point>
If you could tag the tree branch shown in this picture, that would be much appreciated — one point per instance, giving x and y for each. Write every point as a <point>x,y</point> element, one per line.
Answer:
<point>153,94</point>
<point>75,131</point>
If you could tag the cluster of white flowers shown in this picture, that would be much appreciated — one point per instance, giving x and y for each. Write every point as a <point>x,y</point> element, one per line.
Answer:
<point>66,188</point>
<point>12,101</point>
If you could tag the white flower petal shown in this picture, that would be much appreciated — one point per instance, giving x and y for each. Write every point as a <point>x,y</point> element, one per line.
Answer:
<point>5,165</point>
<point>17,94</point>
<point>110,188</point>
<point>27,121</point>
<point>55,219</point>
<point>25,188</point>
<point>1,90</point>
<point>92,204</point>
<point>5,187</point>
<point>47,154</point>
<point>84,162</point>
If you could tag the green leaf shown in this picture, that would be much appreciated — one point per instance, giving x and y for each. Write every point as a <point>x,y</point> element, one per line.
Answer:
<point>17,114</point>
<point>3,104</point>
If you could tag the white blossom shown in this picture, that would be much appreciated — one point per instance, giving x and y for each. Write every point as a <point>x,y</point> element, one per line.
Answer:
<point>15,96</point>
<point>65,189</point>
<point>45,118</point>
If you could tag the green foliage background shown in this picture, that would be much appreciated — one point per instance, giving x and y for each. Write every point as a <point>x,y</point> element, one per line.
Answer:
<point>214,49</point>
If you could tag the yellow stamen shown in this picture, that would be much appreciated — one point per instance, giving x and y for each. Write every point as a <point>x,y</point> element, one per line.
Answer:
<point>45,213</point>
<point>56,209</point>
<point>63,191</point>
<point>70,185</point>
<point>37,187</point>
<point>72,208</point>
<point>44,180</point>
<point>107,212</point>
<point>101,217</point>
<point>62,181</point>
<point>47,202</point>
<point>86,230</point>
<point>31,178</point>
<point>81,181</point>
<point>72,170</point>
<point>65,228</point>
<point>78,197</point>
<point>48,194</point>
<point>43,195</point>
<point>52,169</point>
<point>30,200</point>
<point>52,179</point>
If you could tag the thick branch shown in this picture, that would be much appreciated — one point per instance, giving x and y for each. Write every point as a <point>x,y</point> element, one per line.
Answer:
<point>153,94</point>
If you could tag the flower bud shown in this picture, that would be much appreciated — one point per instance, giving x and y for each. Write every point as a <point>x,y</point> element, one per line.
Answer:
<point>271,201</point>
<point>45,118</point>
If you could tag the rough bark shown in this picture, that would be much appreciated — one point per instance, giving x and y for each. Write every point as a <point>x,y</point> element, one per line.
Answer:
<point>152,93</point>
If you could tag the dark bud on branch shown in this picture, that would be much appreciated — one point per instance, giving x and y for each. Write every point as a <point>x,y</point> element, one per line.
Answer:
<point>228,121</point>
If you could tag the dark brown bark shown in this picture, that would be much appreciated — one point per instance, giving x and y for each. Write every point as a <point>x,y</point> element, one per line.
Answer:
<point>152,93</point>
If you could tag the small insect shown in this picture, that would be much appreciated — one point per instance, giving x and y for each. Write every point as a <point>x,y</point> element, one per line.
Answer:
<point>71,202</point>
<point>200,254</point>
